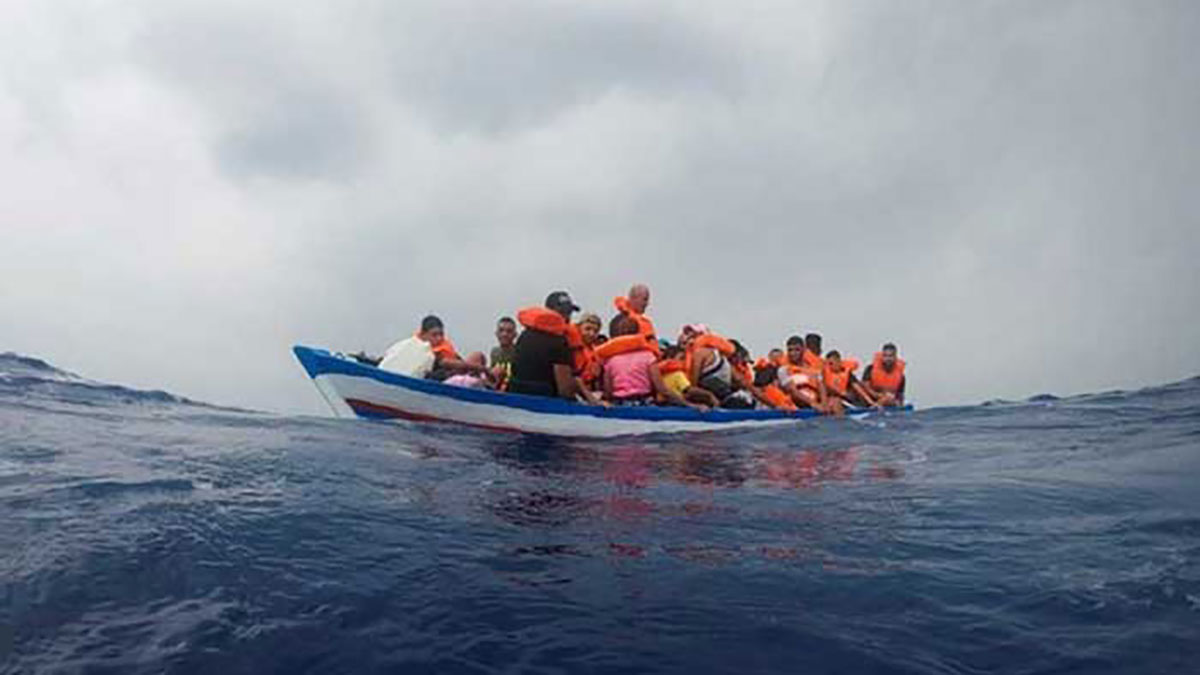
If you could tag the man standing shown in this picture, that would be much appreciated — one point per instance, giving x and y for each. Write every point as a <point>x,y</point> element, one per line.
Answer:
<point>634,306</point>
<point>884,378</point>
<point>542,364</point>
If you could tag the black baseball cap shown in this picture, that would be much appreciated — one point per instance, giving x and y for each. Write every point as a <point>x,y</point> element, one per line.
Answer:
<point>560,300</point>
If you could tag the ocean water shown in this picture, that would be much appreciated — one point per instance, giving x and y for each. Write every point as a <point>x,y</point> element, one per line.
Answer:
<point>144,533</point>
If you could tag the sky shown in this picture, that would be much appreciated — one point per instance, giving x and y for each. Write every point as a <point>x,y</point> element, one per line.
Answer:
<point>1007,190</point>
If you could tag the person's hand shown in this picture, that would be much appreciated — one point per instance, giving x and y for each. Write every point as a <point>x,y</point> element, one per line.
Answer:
<point>699,406</point>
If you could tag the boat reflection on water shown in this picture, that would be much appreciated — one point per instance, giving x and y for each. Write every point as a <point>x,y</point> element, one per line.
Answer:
<point>696,499</point>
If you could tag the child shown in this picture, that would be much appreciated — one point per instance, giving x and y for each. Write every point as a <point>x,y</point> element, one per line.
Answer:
<point>675,378</point>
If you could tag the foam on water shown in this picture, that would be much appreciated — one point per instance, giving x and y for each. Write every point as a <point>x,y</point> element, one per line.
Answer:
<point>146,533</point>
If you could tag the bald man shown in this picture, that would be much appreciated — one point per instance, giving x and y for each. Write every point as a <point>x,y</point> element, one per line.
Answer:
<point>634,306</point>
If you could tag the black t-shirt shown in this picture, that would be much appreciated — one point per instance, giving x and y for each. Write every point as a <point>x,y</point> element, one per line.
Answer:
<point>533,365</point>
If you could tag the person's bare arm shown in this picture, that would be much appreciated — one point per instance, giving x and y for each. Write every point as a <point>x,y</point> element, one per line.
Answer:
<point>740,378</point>
<point>564,381</point>
<point>698,361</point>
<point>608,384</point>
<point>666,392</point>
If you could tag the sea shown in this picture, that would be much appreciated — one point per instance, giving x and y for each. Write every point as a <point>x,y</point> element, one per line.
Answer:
<point>141,532</point>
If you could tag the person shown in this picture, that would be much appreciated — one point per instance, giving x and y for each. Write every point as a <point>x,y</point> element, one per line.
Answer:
<point>798,379</point>
<point>428,353</point>
<point>633,377</point>
<point>589,332</point>
<point>841,385</point>
<point>469,380</point>
<point>884,377</point>
<point>812,351</point>
<point>746,390</point>
<point>543,364</point>
<point>708,364</point>
<point>502,354</point>
<point>634,306</point>
<point>674,375</point>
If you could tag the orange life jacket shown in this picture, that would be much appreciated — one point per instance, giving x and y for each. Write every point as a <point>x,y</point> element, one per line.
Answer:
<point>813,361</point>
<point>882,379</point>
<point>624,344</point>
<point>778,399</point>
<point>542,319</point>
<point>804,369</point>
<point>711,341</point>
<point>444,350</point>
<point>670,366</point>
<point>747,373</point>
<point>839,382</point>
<point>645,325</point>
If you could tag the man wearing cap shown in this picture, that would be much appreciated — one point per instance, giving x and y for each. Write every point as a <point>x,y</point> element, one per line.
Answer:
<point>542,364</point>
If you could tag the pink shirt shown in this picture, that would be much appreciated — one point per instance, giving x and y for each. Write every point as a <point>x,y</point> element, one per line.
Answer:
<point>630,373</point>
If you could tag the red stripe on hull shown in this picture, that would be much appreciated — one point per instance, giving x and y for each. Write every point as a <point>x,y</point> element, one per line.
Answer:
<point>366,406</point>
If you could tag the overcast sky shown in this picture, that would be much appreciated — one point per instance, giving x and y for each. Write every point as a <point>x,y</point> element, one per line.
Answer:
<point>1008,190</point>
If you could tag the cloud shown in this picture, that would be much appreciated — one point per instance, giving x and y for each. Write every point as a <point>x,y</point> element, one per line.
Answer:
<point>1003,189</point>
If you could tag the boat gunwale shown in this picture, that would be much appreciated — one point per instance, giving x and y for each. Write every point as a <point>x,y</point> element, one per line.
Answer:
<point>317,362</point>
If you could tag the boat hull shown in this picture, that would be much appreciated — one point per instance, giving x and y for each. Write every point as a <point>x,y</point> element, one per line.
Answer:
<point>353,389</point>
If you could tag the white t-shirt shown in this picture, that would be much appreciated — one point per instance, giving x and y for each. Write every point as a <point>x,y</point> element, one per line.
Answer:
<point>411,356</point>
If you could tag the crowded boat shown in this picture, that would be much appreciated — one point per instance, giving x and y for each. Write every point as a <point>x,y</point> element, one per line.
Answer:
<point>542,351</point>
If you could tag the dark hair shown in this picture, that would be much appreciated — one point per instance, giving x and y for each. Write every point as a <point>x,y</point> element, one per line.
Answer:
<point>672,351</point>
<point>832,353</point>
<point>431,322</point>
<point>888,347</point>
<point>812,339</point>
<point>623,325</point>
<point>740,351</point>
<point>795,340</point>
<point>506,319</point>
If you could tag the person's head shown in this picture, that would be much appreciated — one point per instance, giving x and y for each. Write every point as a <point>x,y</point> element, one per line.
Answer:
<point>834,360</point>
<point>889,355</point>
<point>560,301</point>
<point>775,355</point>
<point>689,332</point>
<point>506,331</point>
<point>672,352</point>
<point>589,327</point>
<point>624,325</point>
<point>639,297</point>
<point>812,342</point>
<point>795,349</point>
<point>477,359</point>
<point>432,330</point>
<point>740,353</point>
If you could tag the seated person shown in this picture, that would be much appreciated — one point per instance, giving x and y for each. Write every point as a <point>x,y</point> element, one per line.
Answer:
<point>884,377</point>
<point>505,349</point>
<point>812,351</point>
<point>799,380</point>
<point>674,376</point>
<point>841,385</point>
<point>468,380</point>
<point>589,332</point>
<point>746,390</point>
<point>634,377</point>
<point>543,364</point>
<point>711,360</point>
<point>428,353</point>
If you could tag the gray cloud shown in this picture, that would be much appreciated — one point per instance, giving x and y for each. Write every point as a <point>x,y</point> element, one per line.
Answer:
<point>1005,189</point>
